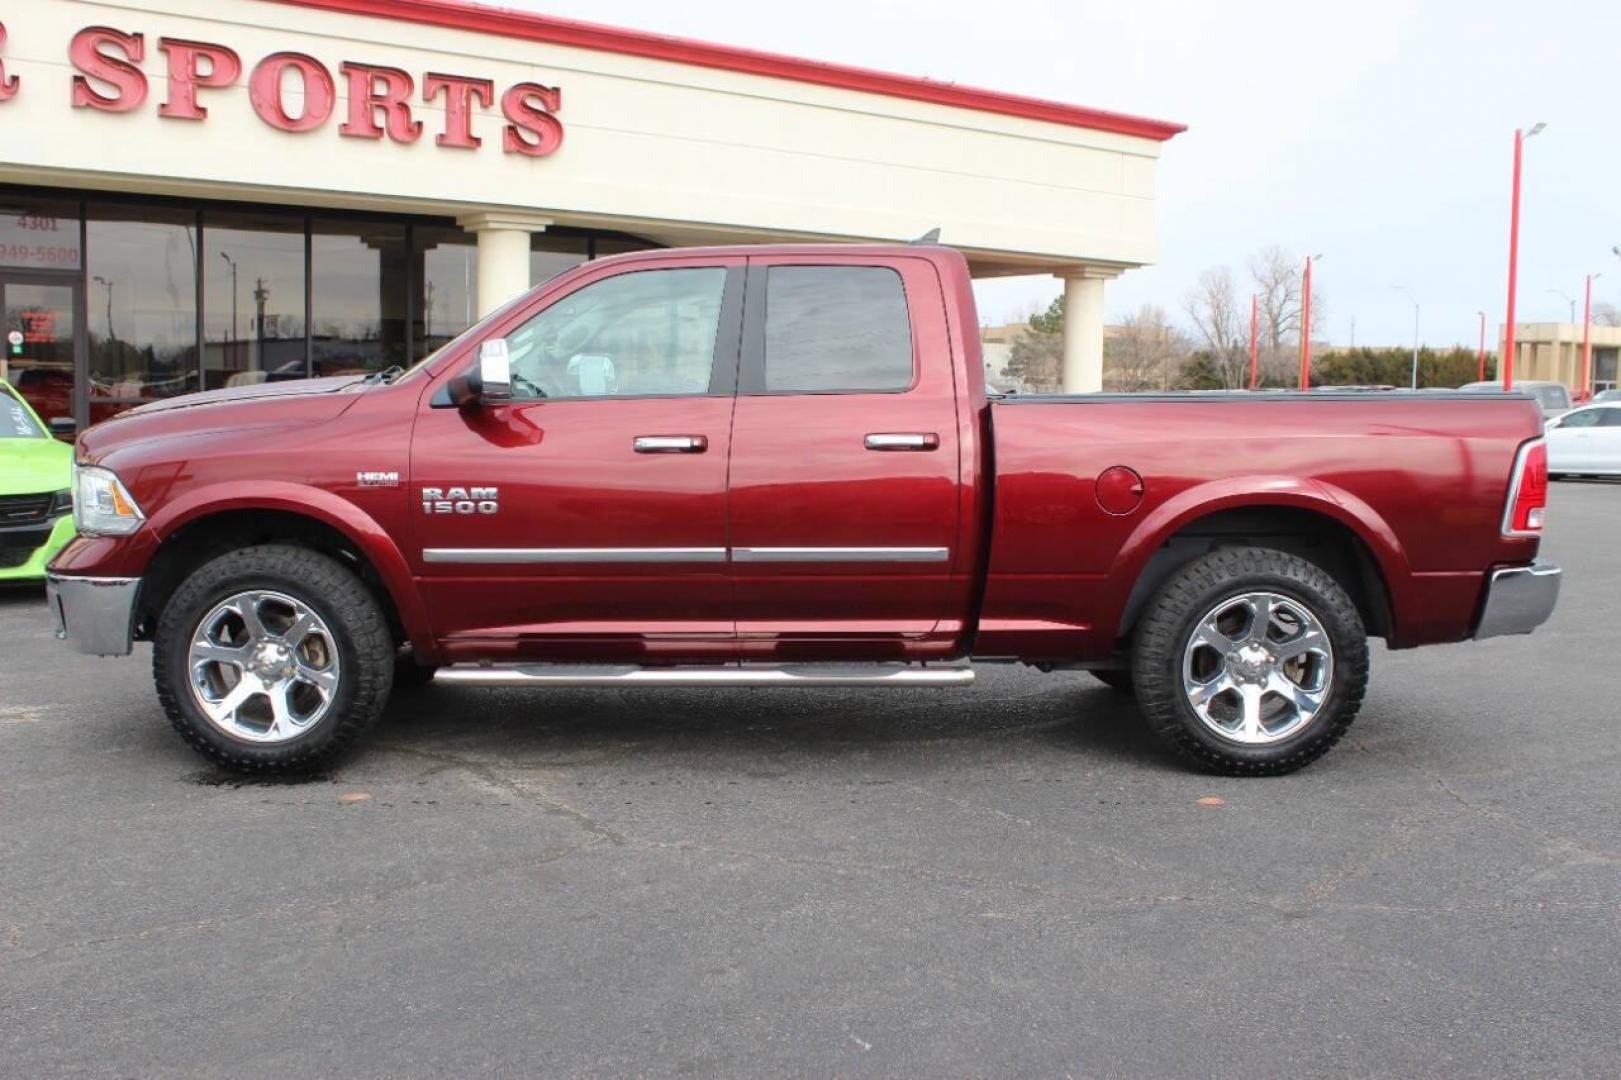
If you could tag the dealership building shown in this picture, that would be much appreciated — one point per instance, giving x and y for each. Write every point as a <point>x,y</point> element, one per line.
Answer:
<point>205,193</point>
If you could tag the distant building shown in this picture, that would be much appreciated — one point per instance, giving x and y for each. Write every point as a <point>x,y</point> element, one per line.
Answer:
<point>996,342</point>
<point>1553,352</point>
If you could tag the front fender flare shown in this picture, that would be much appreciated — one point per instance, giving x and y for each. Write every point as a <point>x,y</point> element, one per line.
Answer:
<point>361,529</point>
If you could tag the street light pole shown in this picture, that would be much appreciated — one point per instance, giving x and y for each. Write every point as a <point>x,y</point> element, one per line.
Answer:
<point>1255,341</point>
<point>1414,299</point>
<point>1586,389</point>
<point>1514,253</point>
<point>236,347</point>
<point>1305,325</point>
<point>1567,298</point>
<point>1482,376</point>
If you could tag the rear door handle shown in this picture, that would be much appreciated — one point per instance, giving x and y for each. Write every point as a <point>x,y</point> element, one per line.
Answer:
<point>903,440</point>
<point>671,444</point>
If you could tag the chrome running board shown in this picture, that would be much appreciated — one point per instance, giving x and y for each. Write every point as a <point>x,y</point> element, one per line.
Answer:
<point>609,675</point>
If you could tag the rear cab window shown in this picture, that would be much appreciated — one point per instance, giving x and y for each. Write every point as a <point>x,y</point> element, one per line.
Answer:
<point>836,330</point>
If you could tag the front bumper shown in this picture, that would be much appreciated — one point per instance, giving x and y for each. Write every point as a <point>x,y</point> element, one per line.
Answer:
<point>24,551</point>
<point>1519,599</point>
<point>94,614</point>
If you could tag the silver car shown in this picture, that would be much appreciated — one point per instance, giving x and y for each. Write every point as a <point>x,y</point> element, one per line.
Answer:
<point>1553,397</point>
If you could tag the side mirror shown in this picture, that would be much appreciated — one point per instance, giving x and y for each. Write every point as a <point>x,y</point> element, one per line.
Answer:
<point>488,381</point>
<point>64,427</point>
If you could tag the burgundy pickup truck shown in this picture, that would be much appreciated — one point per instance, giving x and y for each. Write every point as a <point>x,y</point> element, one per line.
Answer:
<point>779,466</point>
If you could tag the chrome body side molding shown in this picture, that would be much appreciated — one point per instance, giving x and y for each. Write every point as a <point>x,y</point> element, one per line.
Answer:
<point>513,556</point>
<point>841,554</point>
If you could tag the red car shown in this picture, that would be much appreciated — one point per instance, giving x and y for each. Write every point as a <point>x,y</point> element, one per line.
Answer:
<point>779,466</point>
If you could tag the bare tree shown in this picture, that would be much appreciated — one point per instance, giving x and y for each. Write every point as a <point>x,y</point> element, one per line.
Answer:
<point>1277,276</point>
<point>1606,314</point>
<point>1221,325</point>
<point>1144,353</point>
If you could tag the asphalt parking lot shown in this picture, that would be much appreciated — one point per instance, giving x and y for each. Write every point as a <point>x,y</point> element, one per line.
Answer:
<point>1010,879</point>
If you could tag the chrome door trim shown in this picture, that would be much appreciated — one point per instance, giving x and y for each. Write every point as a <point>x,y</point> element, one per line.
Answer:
<point>902,440</point>
<point>670,444</point>
<point>509,556</point>
<point>840,554</point>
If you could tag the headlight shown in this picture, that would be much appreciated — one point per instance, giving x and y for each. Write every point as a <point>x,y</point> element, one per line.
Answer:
<point>102,506</point>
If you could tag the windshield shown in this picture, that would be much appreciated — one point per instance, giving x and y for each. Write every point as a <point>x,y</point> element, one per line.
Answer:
<point>15,421</point>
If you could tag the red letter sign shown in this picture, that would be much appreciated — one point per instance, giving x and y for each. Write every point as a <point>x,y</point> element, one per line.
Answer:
<point>264,91</point>
<point>459,94</point>
<point>533,129</point>
<point>120,72</point>
<point>186,75</point>
<point>372,88</point>
<point>8,83</point>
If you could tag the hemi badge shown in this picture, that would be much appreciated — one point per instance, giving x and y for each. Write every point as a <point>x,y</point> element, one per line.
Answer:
<point>377,479</point>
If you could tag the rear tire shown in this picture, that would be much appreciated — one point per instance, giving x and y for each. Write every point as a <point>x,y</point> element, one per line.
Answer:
<point>1239,698</point>
<point>272,659</point>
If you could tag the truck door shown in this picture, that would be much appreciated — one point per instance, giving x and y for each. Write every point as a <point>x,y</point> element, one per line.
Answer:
<point>845,464</point>
<point>587,517</point>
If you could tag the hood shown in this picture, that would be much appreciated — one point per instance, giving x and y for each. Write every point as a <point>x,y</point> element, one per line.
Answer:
<point>288,388</point>
<point>30,466</point>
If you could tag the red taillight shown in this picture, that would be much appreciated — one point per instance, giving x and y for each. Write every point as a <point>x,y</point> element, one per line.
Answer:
<point>1528,494</point>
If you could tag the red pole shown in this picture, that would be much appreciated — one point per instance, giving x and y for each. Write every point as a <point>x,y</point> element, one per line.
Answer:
<point>1255,343</point>
<point>1482,376</point>
<point>1513,264</point>
<point>1585,389</point>
<point>1305,329</point>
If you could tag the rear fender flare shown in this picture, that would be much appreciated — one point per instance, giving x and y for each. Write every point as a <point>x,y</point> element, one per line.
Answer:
<point>1232,493</point>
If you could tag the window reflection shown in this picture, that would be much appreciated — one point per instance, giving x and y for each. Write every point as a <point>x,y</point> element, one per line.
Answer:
<point>550,253</point>
<point>447,299</point>
<point>253,299</point>
<point>358,319</point>
<point>141,301</point>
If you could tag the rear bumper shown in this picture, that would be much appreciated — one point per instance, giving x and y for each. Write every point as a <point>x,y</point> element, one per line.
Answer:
<point>93,614</point>
<point>1519,599</point>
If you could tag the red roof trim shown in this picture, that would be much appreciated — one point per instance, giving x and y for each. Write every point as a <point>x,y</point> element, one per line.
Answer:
<point>582,35</point>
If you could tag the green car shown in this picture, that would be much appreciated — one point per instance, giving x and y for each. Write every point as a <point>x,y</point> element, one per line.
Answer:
<point>36,501</point>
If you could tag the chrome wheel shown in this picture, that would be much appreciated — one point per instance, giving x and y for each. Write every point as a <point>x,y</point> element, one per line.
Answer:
<point>1257,667</point>
<point>263,667</point>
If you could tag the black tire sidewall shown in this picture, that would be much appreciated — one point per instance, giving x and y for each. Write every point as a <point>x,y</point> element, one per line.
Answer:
<point>1224,576</point>
<point>313,580</point>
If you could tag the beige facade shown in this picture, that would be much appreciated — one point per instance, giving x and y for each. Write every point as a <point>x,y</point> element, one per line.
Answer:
<point>1552,352</point>
<point>677,143</point>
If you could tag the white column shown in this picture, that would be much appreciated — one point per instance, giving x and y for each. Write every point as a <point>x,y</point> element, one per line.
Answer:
<point>503,253</point>
<point>1083,329</point>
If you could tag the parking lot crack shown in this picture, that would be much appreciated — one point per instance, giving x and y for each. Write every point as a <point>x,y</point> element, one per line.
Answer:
<point>515,786</point>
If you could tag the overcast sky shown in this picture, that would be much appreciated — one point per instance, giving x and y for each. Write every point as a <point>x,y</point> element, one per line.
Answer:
<point>1377,133</point>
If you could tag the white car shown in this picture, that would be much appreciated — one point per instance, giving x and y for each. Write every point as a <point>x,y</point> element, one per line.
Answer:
<point>1586,441</point>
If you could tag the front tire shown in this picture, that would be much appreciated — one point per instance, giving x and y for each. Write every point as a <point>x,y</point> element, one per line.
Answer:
<point>1250,662</point>
<point>272,659</point>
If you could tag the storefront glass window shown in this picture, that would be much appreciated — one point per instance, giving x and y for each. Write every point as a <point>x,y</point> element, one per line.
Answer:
<point>357,321</point>
<point>551,253</point>
<point>141,276</point>
<point>619,245</point>
<point>38,234</point>
<point>447,296</point>
<point>253,298</point>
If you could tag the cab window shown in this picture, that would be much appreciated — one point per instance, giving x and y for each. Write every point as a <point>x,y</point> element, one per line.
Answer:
<point>836,329</point>
<point>1585,419</point>
<point>638,334</point>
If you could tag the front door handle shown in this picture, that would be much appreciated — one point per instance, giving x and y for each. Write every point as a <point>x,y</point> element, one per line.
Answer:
<point>903,440</point>
<point>671,444</point>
